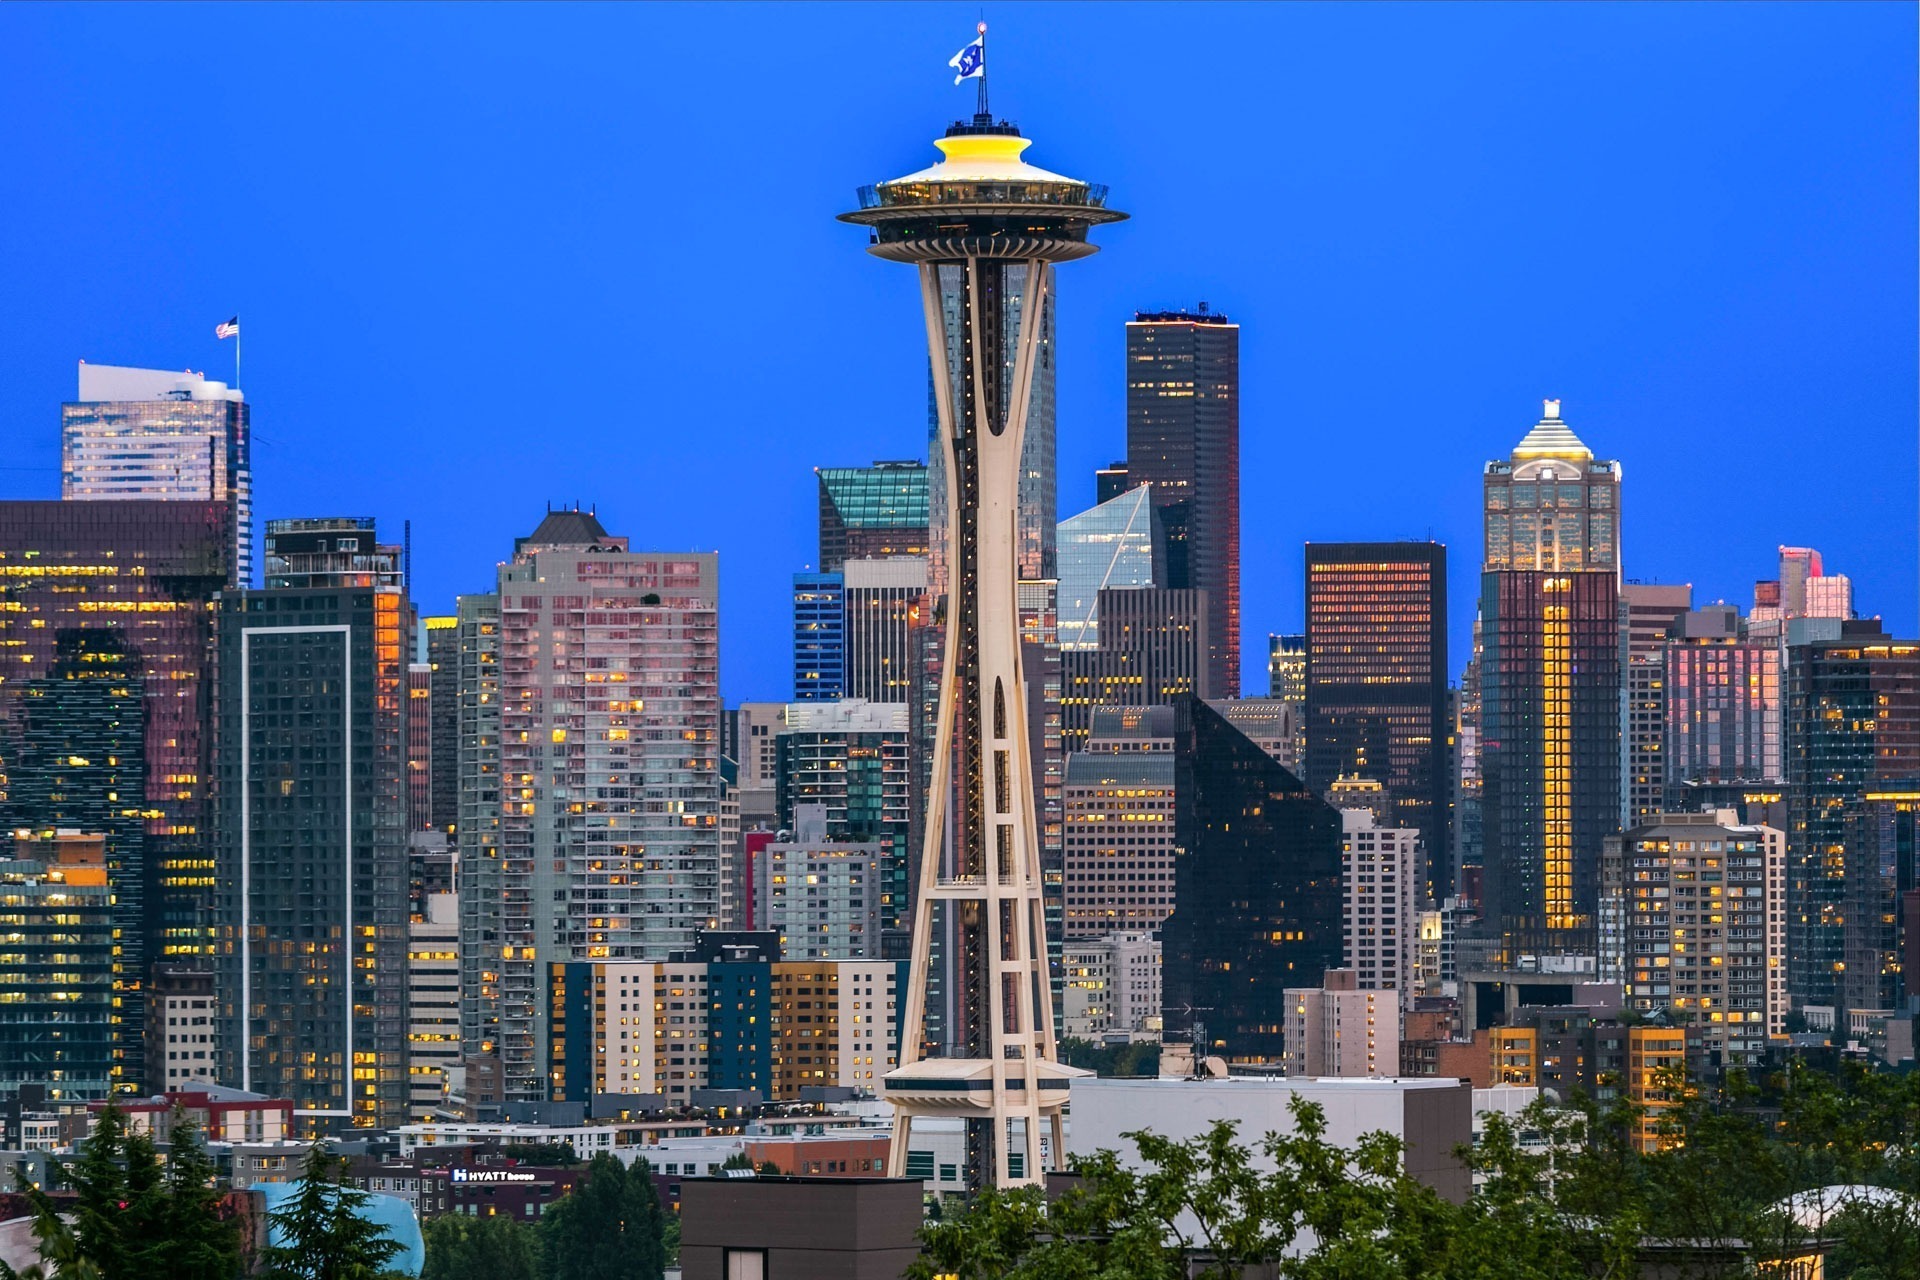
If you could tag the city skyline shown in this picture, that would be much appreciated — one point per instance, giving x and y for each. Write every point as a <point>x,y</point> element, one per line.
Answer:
<point>1721,246</point>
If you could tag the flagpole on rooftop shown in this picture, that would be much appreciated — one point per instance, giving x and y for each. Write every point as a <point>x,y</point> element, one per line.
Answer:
<point>982,108</point>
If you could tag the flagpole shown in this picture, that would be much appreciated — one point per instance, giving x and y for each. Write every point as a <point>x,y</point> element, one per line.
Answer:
<point>982,106</point>
<point>236,360</point>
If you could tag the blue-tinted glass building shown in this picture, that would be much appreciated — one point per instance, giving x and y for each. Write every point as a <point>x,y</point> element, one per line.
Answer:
<point>1116,544</point>
<point>872,513</point>
<point>819,637</point>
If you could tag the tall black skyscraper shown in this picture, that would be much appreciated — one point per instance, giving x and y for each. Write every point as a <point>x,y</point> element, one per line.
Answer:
<point>1852,719</point>
<point>1376,687</point>
<point>310,793</point>
<point>1183,438</point>
<point>1256,888</point>
<point>1550,686</point>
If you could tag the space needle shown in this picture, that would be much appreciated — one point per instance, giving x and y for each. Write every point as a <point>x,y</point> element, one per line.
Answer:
<point>985,228</point>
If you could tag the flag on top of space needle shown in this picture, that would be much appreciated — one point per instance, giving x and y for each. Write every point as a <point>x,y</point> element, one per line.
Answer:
<point>971,62</point>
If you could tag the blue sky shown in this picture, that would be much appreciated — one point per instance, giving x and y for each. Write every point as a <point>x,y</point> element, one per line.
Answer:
<point>489,257</point>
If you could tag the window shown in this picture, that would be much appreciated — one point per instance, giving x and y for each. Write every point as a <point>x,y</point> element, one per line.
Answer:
<point>746,1264</point>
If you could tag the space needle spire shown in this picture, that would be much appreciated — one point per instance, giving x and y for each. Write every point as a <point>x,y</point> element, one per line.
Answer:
<point>985,229</point>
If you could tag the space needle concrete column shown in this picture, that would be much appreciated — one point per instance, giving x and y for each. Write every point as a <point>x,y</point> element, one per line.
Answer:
<point>984,228</point>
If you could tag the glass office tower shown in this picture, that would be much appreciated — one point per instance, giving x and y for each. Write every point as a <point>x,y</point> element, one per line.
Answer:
<point>1257,885</point>
<point>157,434</point>
<point>1376,683</point>
<point>1183,438</point>
<point>1116,544</point>
<point>1550,686</point>
<point>872,513</point>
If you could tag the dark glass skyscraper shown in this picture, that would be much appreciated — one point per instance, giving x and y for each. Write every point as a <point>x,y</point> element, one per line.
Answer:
<point>145,572</point>
<point>1256,898</point>
<point>1376,681</point>
<point>872,513</point>
<point>78,764</point>
<point>1852,719</point>
<point>1183,438</point>
<point>1550,687</point>
<point>310,788</point>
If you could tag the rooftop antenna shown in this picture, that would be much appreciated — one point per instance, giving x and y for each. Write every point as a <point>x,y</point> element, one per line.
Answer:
<point>981,114</point>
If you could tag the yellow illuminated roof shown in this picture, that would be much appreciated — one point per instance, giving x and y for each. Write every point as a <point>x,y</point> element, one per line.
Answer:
<point>983,157</point>
<point>1552,438</point>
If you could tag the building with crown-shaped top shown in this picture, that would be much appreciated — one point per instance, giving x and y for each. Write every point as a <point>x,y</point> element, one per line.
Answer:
<point>1550,686</point>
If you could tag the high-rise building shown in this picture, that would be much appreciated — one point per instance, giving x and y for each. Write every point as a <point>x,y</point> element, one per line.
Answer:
<point>1380,867</point>
<point>1119,835</point>
<point>819,637</point>
<point>482,884</point>
<point>310,797</point>
<point>433,1002</point>
<point>419,746</point>
<point>1648,612</point>
<point>1342,1028</point>
<point>1183,439</point>
<point>1256,888</point>
<point>1882,868</point>
<point>1549,687</point>
<point>137,577</point>
<point>610,843</point>
<point>77,763</point>
<point>1152,649</point>
<point>852,762</point>
<point>1692,922</point>
<point>1272,723</point>
<point>872,513</point>
<point>58,986</point>
<point>1722,704</point>
<point>1116,544</point>
<point>331,551</point>
<point>155,434</point>
<point>1287,681</point>
<point>1110,481</point>
<point>822,896</point>
<point>1798,566</point>
<point>182,1048</point>
<point>882,603</point>
<point>1852,720</point>
<point>988,310</point>
<point>443,663</point>
<point>1376,681</point>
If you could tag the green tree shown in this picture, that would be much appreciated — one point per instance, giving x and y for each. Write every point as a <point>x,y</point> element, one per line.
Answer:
<point>552,1155</point>
<point>61,1257</point>
<point>203,1237</point>
<point>493,1248</point>
<point>610,1227</point>
<point>100,1179</point>
<point>325,1237</point>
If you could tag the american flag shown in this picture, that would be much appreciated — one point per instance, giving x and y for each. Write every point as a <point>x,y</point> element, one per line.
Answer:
<point>231,329</point>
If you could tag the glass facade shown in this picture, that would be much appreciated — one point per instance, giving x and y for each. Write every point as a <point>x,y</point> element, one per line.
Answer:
<point>1882,873</point>
<point>869,513</point>
<point>1376,683</point>
<point>311,802</point>
<point>853,761</point>
<point>482,880</point>
<point>146,572</point>
<point>1183,438</point>
<point>59,977</point>
<point>819,637</point>
<point>78,763</point>
<point>1257,885</point>
<point>1549,752</point>
<point>1852,719</point>
<point>146,433</point>
<point>1116,544</point>
<point>1722,708</point>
